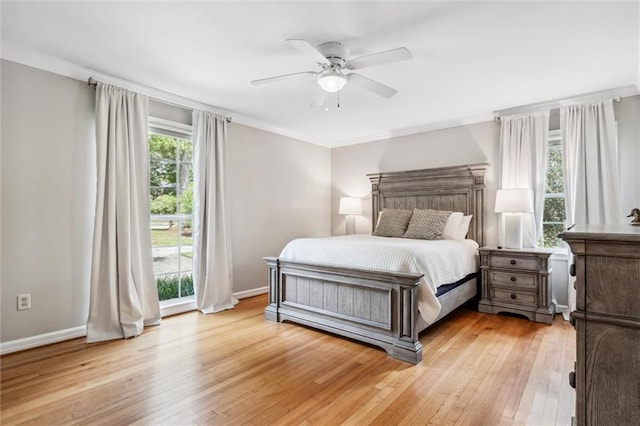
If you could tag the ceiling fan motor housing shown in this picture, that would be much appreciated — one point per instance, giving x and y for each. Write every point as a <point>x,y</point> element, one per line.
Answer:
<point>335,52</point>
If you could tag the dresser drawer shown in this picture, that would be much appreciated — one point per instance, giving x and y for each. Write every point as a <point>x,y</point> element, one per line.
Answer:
<point>513,279</point>
<point>514,262</point>
<point>514,297</point>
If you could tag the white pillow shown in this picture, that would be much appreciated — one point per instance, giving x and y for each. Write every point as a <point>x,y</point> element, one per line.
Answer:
<point>464,227</point>
<point>450,231</point>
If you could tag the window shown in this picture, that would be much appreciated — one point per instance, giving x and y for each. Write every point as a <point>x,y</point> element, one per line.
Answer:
<point>553,216</point>
<point>171,195</point>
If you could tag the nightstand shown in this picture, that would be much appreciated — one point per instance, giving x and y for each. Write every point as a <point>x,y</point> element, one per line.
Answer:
<point>517,281</point>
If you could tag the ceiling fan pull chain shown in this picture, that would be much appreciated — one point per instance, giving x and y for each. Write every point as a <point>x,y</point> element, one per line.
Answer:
<point>338,100</point>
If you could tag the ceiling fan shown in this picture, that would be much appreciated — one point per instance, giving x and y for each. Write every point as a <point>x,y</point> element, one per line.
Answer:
<point>333,59</point>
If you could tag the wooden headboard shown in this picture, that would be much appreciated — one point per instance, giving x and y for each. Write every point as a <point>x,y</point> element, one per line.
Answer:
<point>456,188</point>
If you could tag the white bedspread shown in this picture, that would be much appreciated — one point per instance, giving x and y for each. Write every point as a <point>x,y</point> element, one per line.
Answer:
<point>441,261</point>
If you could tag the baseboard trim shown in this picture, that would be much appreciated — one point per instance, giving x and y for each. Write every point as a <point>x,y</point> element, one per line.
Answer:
<point>42,339</point>
<point>81,331</point>
<point>251,293</point>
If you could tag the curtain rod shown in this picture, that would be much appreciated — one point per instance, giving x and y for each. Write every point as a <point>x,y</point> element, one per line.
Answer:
<point>614,94</point>
<point>180,102</point>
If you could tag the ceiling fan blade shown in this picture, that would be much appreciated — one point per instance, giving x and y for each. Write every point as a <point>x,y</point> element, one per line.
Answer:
<point>280,77</point>
<point>371,85</point>
<point>393,55</point>
<point>319,98</point>
<point>308,50</point>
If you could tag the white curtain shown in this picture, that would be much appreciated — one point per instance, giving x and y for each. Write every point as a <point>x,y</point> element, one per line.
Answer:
<point>523,151</point>
<point>590,156</point>
<point>123,296</point>
<point>590,153</point>
<point>212,267</point>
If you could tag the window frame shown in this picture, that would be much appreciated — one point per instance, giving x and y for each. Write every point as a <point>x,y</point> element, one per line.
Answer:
<point>554,140</point>
<point>178,131</point>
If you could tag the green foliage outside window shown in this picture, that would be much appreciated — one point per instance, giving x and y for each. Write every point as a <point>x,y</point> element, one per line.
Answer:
<point>170,170</point>
<point>171,205</point>
<point>553,216</point>
<point>171,287</point>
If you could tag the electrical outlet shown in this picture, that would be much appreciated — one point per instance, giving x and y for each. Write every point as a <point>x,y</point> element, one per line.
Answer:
<point>24,301</point>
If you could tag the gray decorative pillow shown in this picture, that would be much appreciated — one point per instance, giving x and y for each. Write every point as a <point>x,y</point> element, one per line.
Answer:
<point>392,222</point>
<point>427,224</point>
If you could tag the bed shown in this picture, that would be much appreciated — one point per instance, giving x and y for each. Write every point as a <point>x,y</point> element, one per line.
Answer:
<point>373,305</point>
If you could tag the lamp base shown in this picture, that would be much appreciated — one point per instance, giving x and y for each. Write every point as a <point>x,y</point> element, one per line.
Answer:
<point>350,224</point>
<point>513,231</point>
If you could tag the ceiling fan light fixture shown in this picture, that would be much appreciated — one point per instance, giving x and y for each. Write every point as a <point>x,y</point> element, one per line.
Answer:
<point>332,81</point>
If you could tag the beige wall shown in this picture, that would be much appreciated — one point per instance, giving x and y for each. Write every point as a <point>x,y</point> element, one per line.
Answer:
<point>465,145</point>
<point>449,147</point>
<point>627,114</point>
<point>279,190</point>
<point>48,193</point>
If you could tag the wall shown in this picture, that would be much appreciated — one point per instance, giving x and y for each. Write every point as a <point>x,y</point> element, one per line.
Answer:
<point>448,147</point>
<point>280,189</point>
<point>627,114</point>
<point>48,192</point>
<point>464,145</point>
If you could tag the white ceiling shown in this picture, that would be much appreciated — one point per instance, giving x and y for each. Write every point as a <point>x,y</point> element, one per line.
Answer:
<point>469,58</point>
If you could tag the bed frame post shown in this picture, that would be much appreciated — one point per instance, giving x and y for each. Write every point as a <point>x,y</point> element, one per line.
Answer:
<point>271,311</point>
<point>407,347</point>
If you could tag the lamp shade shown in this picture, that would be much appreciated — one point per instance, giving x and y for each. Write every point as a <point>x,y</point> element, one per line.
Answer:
<point>332,81</point>
<point>514,201</point>
<point>350,205</point>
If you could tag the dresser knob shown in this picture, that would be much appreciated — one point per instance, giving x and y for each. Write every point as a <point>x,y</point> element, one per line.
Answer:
<point>572,379</point>
<point>572,270</point>
<point>514,296</point>
<point>513,278</point>
<point>513,261</point>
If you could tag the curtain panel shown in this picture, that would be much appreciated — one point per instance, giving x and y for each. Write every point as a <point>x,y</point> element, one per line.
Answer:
<point>123,294</point>
<point>591,174</point>
<point>523,153</point>
<point>590,151</point>
<point>212,263</point>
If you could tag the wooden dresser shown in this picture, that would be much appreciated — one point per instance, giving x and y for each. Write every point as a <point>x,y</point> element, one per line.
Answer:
<point>607,322</point>
<point>517,281</point>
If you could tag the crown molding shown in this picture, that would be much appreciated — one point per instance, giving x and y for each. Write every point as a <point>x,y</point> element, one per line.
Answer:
<point>615,93</point>
<point>67,69</point>
<point>413,130</point>
<point>64,68</point>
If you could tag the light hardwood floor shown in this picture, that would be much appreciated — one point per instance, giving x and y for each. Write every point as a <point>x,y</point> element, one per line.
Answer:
<point>236,368</point>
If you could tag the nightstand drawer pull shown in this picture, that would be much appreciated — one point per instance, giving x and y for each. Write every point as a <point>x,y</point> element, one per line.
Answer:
<point>513,278</point>
<point>514,296</point>
<point>513,261</point>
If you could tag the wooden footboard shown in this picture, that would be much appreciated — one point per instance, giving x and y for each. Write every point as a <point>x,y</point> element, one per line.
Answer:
<point>376,307</point>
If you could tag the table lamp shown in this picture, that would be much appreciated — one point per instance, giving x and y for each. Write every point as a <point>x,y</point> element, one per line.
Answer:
<point>350,206</point>
<point>513,202</point>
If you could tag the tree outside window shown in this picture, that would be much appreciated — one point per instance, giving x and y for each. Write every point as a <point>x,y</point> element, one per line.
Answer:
<point>171,203</point>
<point>553,217</point>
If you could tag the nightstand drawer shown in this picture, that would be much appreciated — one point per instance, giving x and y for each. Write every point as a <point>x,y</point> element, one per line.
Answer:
<point>513,279</point>
<point>515,297</point>
<point>529,264</point>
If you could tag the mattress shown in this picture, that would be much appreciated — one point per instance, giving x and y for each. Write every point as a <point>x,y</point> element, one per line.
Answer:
<point>441,261</point>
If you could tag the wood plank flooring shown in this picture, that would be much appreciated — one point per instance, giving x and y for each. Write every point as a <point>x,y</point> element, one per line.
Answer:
<point>236,368</point>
